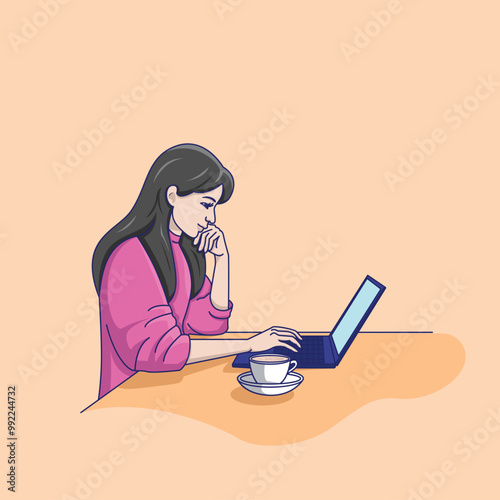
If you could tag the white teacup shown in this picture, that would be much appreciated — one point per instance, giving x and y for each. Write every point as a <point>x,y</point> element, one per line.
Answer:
<point>271,368</point>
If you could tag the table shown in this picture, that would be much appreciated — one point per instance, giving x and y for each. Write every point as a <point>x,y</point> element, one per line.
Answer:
<point>377,366</point>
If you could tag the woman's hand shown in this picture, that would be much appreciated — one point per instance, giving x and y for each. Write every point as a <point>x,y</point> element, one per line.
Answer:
<point>211,240</point>
<point>273,337</point>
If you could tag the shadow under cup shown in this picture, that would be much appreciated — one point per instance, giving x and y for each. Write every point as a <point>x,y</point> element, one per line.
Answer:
<point>271,368</point>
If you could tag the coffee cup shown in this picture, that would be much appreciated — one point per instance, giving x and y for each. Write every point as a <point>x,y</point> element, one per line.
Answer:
<point>271,368</point>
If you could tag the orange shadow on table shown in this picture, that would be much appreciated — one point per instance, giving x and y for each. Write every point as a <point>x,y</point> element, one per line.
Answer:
<point>210,393</point>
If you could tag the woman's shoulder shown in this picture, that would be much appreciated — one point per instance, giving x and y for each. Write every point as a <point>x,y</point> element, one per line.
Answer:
<point>129,252</point>
<point>129,246</point>
<point>130,268</point>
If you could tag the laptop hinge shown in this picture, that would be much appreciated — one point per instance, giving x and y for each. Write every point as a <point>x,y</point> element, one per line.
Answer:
<point>334,352</point>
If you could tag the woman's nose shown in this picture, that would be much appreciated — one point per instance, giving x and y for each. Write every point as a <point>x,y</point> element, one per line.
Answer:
<point>211,217</point>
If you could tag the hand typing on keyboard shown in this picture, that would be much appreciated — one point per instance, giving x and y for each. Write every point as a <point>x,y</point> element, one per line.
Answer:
<point>273,337</point>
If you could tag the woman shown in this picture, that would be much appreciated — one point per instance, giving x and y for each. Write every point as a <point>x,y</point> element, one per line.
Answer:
<point>149,272</point>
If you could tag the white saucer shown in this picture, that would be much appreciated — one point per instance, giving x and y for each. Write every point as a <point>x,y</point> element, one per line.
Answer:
<point>291,381</point>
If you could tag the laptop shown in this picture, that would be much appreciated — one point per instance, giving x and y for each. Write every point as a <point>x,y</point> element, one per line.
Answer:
<point>327,351</point>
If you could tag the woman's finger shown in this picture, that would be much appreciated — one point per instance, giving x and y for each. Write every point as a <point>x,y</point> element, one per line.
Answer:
<point>201,244</point>
<point>287,330</point>
<point>293,340</point>
<point>209,241</point>
<point>288,346</point>
<point>284,328</point>
<point>196,239</point>
<point>213,242</point>
<point>288,335</point>
<point>200,236</point>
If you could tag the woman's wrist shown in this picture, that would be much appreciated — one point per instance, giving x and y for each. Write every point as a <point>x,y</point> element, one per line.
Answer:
<point>248,345</point>
<point>222,257</point>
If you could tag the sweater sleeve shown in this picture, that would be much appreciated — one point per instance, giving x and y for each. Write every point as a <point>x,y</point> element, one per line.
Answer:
<point>142,328</point>
<point>202,318</point>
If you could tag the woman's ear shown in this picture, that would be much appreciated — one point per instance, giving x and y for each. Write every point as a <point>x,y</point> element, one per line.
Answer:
<point>171,195</point>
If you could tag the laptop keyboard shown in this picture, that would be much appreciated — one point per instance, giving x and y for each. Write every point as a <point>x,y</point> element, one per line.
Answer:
<point>312,350</point>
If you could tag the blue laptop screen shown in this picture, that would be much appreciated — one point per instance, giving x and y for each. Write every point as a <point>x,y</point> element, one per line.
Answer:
<point>354,314</point>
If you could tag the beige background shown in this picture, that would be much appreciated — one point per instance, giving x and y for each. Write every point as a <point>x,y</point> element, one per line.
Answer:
<point>322,176</point>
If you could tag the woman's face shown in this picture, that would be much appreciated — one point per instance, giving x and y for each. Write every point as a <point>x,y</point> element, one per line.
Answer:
<point>192,213</point>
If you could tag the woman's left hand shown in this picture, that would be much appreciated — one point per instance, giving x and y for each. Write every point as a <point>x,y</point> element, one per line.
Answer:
<point>211,240</point>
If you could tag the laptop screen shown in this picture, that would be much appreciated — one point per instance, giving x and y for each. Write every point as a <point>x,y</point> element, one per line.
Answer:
<point>356,313</point>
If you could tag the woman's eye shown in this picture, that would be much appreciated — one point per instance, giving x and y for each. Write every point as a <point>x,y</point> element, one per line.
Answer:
<point>207,205</point>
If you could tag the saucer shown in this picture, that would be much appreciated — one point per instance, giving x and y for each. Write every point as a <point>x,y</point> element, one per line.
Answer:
<point>291,381</point>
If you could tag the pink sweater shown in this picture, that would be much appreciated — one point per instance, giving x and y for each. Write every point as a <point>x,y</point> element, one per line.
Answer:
<point>140,330</point>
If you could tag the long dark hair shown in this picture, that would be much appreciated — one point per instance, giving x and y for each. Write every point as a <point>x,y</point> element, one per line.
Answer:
<point>192,169</point>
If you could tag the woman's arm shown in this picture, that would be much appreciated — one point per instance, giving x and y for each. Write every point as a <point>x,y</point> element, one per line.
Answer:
<point>212,240</point>
<point>219,296</point>
<point>203,350</point>
<point>202,318</point>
